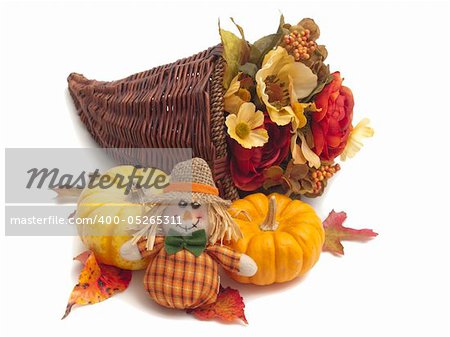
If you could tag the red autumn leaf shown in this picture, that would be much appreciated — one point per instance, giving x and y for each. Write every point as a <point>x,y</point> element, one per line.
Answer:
<point>228,306</point>
<point>97,282</point>
<point>335,232</point>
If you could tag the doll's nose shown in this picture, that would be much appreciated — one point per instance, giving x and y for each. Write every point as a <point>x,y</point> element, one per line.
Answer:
<point>187,215</point>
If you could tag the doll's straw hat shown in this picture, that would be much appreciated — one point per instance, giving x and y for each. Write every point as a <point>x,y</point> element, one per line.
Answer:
<point>192,181</point>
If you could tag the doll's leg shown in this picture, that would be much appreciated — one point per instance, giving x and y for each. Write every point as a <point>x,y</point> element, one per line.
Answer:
<point>130,252</point>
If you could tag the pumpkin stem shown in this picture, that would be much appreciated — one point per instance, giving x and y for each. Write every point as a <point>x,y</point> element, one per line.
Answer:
<point>270,223</point>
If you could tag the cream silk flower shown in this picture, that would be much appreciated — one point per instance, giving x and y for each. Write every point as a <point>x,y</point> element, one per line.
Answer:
<point>281,81</point>
<point>354,144</point>
<point>246,127</point>
<point>302,154</point>
<point>235,96</point>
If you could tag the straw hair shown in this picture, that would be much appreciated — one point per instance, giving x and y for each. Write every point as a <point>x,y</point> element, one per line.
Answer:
<point>221,224</point>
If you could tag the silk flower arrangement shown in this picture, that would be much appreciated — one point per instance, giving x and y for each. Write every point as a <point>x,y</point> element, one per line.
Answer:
<point>289,118</point>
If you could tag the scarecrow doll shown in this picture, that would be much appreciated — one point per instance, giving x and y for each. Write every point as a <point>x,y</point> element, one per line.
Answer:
<point>188,223</point>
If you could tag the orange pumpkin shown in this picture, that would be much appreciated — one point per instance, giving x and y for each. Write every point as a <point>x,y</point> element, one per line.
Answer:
<point>283,236</point>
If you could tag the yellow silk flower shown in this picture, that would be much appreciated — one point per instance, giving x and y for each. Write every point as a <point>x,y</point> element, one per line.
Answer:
<point>354,144</point>
<point>235,96</point>
<point>302,153</point>
<point>280,82</point>
<point>246,126</point>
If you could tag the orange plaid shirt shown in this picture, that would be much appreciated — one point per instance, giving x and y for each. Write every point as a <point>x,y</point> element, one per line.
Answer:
<point>183,281</point>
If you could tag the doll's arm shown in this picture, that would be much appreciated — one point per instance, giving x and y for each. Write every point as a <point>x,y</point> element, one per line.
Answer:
<point>232,261</point>
<point>134,252</point>
<point>247,266</point>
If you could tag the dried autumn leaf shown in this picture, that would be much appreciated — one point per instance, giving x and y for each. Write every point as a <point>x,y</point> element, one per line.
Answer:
<point>296,171</point>
<point>309,24</point>
<point>97,282</point>
<point>273,176</point>
<point>228,307</point>
<point>335,232</point>
<point>296,175</point>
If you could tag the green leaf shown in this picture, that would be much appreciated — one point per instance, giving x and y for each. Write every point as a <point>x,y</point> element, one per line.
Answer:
<point>318,88</point>
<point>235,53</point>
<point>249,69</point>
<point>261,47</point>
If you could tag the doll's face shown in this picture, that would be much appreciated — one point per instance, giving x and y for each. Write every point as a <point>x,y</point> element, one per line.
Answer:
<point>186,217</point>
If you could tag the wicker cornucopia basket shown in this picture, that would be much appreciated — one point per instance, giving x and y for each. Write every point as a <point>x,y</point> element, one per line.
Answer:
<point>177,105</point>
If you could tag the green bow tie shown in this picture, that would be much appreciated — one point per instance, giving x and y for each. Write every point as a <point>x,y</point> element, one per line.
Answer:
<point>195,243</point>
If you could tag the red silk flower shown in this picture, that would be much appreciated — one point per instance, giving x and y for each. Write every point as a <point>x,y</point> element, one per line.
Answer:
<point>331,125</point>
<point>248,165</point>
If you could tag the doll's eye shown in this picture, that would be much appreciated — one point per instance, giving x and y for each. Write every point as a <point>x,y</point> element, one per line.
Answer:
<point>195,205</point>
<point>182,203</point>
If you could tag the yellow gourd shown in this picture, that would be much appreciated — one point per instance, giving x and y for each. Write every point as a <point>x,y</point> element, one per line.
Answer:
<point>283,236</point>
<point>105,215</point>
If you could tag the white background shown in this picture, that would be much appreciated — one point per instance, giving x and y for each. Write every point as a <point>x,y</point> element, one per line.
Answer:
<point>394,56</point>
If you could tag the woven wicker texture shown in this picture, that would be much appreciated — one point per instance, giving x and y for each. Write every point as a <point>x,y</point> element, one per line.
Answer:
<point>178,105</point>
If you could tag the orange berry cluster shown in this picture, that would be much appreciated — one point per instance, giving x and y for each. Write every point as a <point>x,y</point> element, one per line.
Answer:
<point>298,44</point>
<point>323,173</point>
